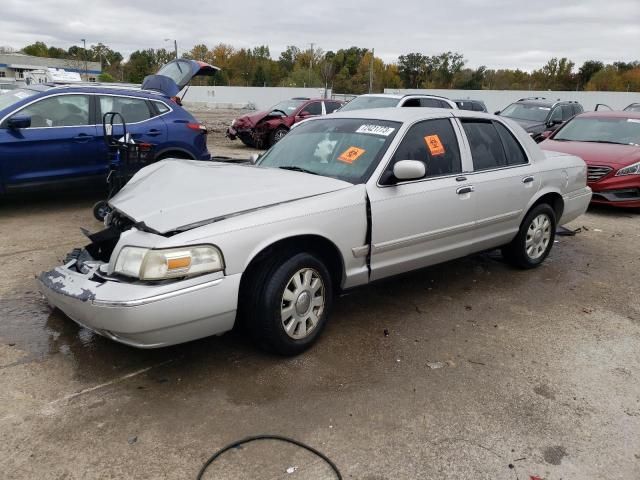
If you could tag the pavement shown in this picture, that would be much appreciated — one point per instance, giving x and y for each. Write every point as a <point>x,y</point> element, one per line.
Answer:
<point>466,370</point>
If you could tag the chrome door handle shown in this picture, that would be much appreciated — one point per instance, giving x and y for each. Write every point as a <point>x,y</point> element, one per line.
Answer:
<point>528,179</point>
<point>463,190</point>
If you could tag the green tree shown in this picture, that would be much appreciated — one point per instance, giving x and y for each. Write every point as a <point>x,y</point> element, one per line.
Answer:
<point>37,49</point>
<point>587,70</point>
<point>412,68</point>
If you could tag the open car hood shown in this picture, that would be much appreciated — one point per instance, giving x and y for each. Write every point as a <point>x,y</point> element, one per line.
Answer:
<point>175,75</point>
<point>177,195</point>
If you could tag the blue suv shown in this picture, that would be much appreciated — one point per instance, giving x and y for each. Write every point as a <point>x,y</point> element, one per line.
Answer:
<point>53,133</point>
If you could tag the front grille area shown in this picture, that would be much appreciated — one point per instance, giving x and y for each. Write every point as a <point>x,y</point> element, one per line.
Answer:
<point>595,173</point>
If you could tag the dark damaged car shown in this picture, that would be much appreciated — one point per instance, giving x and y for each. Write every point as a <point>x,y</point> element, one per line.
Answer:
<point>263,129</point>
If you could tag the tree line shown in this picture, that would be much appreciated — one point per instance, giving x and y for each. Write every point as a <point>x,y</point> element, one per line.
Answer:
<point>348,70</point>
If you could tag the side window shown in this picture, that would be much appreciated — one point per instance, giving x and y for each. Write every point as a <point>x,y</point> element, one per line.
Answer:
<point>58,111</point>
<point>444,104</point>
<point>556,115</point>
<point>567,112</point>
<point>578,108</point>
<point>314,108</point>
<point>132,109</point>
<point>486,146</point>
<point>161,107</point>
<point>477,107</point>
<point>434,143</point>
<point>430,102</point>
<point>331,107</point>
<point>513,149</point>
<point>413,102</point>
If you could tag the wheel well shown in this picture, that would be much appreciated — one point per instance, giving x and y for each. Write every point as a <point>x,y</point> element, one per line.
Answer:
<point>554,200</point>
<point>314,244</point>
<point>175,154</point>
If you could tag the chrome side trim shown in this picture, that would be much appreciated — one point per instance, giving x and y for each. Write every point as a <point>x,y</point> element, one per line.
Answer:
<point>360,251</point>
<point>156,298</point>
<point>498,218</point>
<point>421,237</point>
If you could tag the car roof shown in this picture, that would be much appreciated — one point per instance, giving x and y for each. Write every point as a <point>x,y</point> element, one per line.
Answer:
<point>94,87</point>
<point>544,102</point>
<point>610,114</point>
<point>406,114</point>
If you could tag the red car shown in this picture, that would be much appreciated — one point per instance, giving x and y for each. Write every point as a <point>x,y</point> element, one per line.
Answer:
<point>263,129</point>
<point>609,142</point>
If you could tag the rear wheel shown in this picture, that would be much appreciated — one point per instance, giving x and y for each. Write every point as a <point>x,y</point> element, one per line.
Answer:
<point>289,302</point>
<point>534,240</point>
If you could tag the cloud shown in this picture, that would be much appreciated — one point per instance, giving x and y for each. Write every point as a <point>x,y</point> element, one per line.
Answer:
<point>496,33</point>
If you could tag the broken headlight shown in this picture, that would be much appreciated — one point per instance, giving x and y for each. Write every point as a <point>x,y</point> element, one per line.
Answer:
<point>147,264</point>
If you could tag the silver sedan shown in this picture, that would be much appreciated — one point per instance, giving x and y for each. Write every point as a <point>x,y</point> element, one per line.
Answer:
<point>193,248</point>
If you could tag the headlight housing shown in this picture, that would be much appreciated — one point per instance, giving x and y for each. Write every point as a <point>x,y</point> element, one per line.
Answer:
<point>633,169</point>
<point>148,264</point>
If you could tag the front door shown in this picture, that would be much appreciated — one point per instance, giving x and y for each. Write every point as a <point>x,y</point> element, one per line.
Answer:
<point>425,221</point>
<point>61,143</point>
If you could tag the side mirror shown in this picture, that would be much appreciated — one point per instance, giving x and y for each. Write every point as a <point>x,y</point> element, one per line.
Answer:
<point>497,113</point>
<point>254,158</point>
<point>553,123</point>
<point>304,114</point>
<point>409,170</point>
<point>18,122</point>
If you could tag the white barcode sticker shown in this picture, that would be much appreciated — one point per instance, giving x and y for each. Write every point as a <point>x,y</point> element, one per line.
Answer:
<point>376,130</point>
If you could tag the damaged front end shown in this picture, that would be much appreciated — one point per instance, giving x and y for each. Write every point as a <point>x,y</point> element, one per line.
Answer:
<point>145,314</point>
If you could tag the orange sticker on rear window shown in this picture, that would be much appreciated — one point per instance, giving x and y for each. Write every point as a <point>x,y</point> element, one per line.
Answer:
<point>351,154</point>
<point>434,144</point>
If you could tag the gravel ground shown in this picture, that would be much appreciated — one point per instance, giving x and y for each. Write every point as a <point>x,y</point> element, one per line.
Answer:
<point>467,370</point>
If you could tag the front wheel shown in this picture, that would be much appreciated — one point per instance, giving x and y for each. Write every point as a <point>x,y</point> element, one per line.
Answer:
<point>535,239</point>
<point>291,302</point>
<point>278,134</point>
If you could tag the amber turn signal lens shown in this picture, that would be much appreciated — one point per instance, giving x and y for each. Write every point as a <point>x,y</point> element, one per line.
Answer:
<point>178,263</point>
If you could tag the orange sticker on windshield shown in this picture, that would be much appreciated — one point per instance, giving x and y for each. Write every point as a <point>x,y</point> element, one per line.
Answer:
<point>351,154</point>
<point>434,144</point>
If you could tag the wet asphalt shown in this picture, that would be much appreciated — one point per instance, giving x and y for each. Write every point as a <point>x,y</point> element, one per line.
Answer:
<point>469,369</point>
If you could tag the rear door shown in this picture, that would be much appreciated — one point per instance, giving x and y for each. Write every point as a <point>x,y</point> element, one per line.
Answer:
<point>62,142</point>
<point>426,221</point>
<point>503,181</point>
<point>141,118</point>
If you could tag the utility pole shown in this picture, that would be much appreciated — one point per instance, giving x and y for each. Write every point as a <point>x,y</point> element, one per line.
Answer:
<point>86,74</point>
<point>373,52</point>
<point>311,63</point>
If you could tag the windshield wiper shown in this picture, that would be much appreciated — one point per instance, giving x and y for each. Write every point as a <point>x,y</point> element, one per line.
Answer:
<point>298,169</point>
<point>605,141</point>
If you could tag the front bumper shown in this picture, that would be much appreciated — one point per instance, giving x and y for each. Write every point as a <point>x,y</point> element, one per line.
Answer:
<point>621,191</point>
<point>145,315</point>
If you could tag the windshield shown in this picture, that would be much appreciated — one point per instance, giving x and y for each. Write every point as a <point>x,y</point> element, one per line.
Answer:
<point>346,149</point>
<point>634,107</point>
<point>524,111</point>
<point>360,103</point>
<point>14,96</point>
<point>288,106</point>
<point>624,131</point>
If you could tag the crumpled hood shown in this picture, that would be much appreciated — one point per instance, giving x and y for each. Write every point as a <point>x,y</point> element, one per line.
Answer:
<point>251,120</point>
<point>176,193</point>
<point>616,156</point>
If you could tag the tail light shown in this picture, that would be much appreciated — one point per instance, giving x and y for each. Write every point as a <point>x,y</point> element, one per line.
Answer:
<point>198,127</point>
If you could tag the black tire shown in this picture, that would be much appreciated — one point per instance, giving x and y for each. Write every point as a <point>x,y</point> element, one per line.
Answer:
<point>265,303</point>
<point>277,135</point>
<point>518,253</point>
<point>101,210</point>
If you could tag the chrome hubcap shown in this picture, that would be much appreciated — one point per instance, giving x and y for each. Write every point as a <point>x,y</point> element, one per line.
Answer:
<point>538,236</point>
<point>302,303</point>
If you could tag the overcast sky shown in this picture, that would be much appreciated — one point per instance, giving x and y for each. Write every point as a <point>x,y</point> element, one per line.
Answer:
<point>497,33</point>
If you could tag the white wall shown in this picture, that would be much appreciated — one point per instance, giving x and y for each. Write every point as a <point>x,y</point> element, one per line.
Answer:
<point>259,98</point>
<point>499,99</point>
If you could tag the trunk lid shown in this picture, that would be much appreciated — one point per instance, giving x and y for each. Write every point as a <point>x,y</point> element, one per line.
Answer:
<point>175,75</point>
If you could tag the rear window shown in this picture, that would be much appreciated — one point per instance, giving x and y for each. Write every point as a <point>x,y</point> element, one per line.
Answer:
<point>361,103</point>
<point>9,98</point>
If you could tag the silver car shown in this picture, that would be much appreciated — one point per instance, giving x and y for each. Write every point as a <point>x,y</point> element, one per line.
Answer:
<point>194,248</point>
